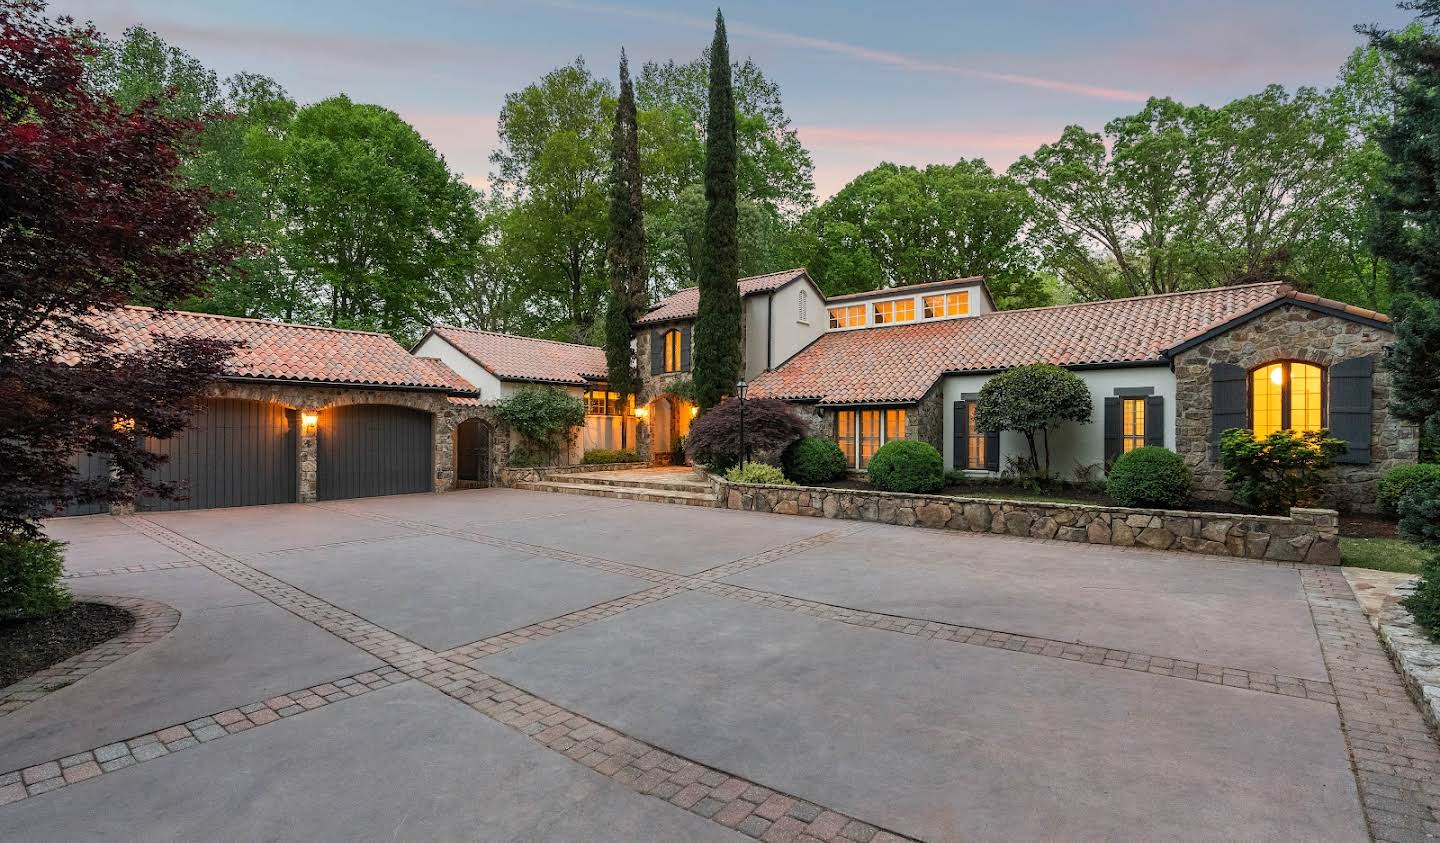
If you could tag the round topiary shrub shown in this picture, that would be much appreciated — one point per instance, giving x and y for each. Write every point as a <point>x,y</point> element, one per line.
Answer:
<point>1149,477</point>
<point>1420,513</point>
<point>905,465</point>
<point>1398,482</point>
<point>813,460</point>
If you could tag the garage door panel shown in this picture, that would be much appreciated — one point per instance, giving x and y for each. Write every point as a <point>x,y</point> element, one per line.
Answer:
<point>234,453</point>
<point>364,450</point>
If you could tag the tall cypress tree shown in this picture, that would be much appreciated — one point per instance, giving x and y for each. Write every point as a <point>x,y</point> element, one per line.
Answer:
<point>629,283</point>
<point>717,325</point>
<point>1406,230</point>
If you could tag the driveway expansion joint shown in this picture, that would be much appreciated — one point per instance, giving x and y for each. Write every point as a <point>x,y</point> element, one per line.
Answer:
<point>153,621</point>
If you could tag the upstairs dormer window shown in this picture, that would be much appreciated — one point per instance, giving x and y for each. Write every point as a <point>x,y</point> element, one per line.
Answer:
<point>947,304</point>
<point>890,312</point>
<point>852,316</point>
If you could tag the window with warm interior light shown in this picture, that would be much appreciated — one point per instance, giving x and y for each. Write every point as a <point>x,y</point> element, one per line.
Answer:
<point>890,312</point>
<point>852,316</point>
<point>947,304</point>
<point>974,439</point>
<point>672,351</point>
<point>860,433</point>
<point>1132,434</point>
<point>599,401</point>
<point>1287,396</point>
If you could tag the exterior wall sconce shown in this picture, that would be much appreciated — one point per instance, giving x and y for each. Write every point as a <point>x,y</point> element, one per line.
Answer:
<point>694,411</point>
<point>642,412</point>
<point>123,425</point>
<point>308,421</point>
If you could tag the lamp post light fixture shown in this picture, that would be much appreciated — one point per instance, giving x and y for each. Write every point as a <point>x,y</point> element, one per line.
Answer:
<point>740,389</point>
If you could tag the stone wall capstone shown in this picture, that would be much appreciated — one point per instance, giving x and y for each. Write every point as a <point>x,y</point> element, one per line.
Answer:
<point>1291,332</point>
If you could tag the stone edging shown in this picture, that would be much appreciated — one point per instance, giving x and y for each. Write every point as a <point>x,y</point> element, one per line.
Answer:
<point>1416,657</point>
<point>510,476</point>
<point>153,621</point>
<point>1306,535</point>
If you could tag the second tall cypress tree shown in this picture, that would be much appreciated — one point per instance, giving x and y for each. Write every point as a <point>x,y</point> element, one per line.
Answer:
<point>717,355</point>
<point>629,282</point>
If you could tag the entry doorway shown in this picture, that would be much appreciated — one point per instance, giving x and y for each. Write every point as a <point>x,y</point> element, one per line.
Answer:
<point>670,418</point>
<point>472,453</point>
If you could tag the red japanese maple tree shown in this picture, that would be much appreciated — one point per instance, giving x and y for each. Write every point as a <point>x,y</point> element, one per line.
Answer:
<point>93,215</point>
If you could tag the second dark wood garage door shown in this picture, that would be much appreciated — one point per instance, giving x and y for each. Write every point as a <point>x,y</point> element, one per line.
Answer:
<point>234,453</point>
<point>373,449</point>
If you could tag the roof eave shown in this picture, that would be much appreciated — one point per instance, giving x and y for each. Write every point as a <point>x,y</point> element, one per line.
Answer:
<point>1262,309</point>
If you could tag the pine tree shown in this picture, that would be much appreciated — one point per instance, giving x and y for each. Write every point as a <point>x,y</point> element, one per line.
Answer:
<point>629,283</point>
<point>717,325</point>
<point>1406,231</point>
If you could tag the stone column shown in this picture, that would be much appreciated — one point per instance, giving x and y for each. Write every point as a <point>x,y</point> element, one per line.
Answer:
<point>307,458</point>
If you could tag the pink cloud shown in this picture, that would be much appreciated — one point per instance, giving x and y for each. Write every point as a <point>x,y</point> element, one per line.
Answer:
<point>843,152</point>
<point>464,138</point>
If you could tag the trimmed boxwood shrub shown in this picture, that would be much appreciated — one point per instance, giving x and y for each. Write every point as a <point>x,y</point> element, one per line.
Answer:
<point>1398,481</point>
<point>757,472</point>
<point>606,456</point>
<point>30,572</point>
<point>813,460</point>
<point>905,465</point>
<point>1149,477</point>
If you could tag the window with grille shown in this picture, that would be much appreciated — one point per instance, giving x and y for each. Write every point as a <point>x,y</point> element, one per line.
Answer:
<point>1287,396</point>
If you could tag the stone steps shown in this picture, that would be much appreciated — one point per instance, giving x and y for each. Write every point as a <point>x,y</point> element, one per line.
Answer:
<point>681,481</point>
<point>623,492</point>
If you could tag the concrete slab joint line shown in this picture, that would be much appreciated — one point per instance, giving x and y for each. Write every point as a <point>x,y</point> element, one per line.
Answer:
<point>153,621</point>
<point>45,777</point>
<point>1395,758</point>
<point>732,801</point>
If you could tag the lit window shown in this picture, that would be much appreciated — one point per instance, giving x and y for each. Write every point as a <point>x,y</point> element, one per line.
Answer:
<point>804,310</point>
<point>974,439</point>
<point>672,351</point>
<point>949,304</point>
<point>860,433</point>
<point>600,402</point>
<point>852,316</point>
<point>1286,396</point>
<point>889,312</point>
<point>1132,435</point>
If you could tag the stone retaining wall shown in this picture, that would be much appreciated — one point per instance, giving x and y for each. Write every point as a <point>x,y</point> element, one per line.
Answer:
<point>1306,535</point>
<point>508,477</point>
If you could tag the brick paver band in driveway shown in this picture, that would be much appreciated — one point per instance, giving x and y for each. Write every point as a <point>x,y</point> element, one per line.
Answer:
<point>798,707</point>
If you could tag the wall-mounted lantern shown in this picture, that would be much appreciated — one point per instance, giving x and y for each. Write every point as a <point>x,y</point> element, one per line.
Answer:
<point>308,421</point>
<point>642,412</point>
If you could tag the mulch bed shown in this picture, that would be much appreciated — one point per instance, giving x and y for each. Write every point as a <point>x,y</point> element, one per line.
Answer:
<point>1368,527</point>
<point>33,644</point>
<point>1070,495</point>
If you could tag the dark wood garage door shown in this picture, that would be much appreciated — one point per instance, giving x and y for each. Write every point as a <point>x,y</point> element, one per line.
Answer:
<point>373,449</point>
<point>89,467</point>
<point>234,453</point>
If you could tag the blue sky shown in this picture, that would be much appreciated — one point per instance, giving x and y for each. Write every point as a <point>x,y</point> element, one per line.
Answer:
<point>864,82</point>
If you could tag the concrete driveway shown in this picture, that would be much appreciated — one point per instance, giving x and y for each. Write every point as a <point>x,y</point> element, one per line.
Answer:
<point>505,665</point>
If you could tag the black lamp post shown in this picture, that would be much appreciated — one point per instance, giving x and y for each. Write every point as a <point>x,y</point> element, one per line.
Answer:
<point>740,389</point>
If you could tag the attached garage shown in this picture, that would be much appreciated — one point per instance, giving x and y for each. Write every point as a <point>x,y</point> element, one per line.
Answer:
<point>234,453</point>
<point>364,450</point>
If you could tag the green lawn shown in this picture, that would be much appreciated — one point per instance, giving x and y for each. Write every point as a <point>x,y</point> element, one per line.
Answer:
<point>1381,554</point>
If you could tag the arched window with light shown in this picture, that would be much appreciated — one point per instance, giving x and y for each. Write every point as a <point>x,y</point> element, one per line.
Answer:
<point>1287,395</point>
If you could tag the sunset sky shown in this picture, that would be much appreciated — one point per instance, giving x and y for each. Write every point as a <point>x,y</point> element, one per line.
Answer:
<point>913,82</point>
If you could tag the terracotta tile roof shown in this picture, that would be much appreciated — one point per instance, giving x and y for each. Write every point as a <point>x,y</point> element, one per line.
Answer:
<point>908,288</point>
<point>509,357</point>
<point>900,363</point>
<point>686,303</point>
<point>280,351</point>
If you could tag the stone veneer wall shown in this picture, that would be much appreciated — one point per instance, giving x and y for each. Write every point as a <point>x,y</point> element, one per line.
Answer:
<point>448,415</point>
<point>508,477</point>
<point>1306,535</point>
<point>1292,332</point>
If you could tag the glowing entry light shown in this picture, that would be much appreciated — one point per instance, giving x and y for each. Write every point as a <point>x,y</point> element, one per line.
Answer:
<point>309,419</point>
<point>1276,375</point>
<point>641,412</point>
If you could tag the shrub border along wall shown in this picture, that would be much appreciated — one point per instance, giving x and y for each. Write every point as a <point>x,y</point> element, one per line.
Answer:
<point>1306,535</point>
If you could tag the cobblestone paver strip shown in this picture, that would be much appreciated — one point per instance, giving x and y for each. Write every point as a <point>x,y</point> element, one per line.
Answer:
<point>720,797</point>
<point>1268,683</point>
<point>142,568</point>
<point>72,769</point>
<point>153,621</point>
<point>1397,763</point>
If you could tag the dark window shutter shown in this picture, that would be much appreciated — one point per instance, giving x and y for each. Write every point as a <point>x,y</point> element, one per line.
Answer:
<point>1155,421</point>
<point>962,420</point>
<point>1228,396</point>
<point>1114,429</point>
<point>1350,407</point>
<point>657,352</point>
<point>992,451</point>
<point>684,348</point>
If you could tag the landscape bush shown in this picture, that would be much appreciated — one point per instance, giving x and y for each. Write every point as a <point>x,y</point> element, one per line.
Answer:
<point>1149,477</point>
<point>30,571</point>
<point>1419,513</point>
<point>606,456</point>
<point>757,472</point>
<point>1282,470</point>
<point>1398,482</point>
<point>547,418</point>
<point>714,438</point>
<point>813,460</point>
<point>1031,400</point>
<point>905,465</point>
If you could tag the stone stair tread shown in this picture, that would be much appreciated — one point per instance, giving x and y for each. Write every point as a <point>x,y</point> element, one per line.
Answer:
<point>622,492</point>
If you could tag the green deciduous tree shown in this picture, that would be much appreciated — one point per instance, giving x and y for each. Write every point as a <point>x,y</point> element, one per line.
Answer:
<point>717,324</point>
<point>1030,400</point>
<point>629,277</point>
<point>897,225</point>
